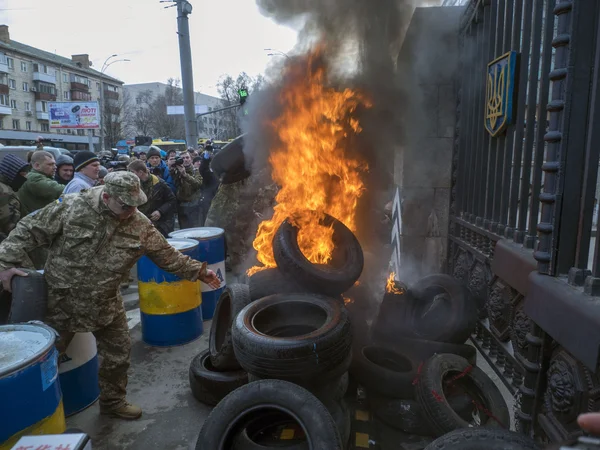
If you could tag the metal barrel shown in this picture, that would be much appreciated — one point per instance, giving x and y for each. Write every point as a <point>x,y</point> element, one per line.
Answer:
<point>78,373</point>
<point>29,385</point>
<point>171,311</point>
<point>211,249</point>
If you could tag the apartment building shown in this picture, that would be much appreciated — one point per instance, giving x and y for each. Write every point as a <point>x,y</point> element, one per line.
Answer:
<point>215,126</point>
<point>30,78</point>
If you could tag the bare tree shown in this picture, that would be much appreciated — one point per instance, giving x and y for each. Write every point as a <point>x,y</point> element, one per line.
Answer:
<point>228,88</point>
<point>162,124</point>
<point>116,118</point>
<point>142,113</point>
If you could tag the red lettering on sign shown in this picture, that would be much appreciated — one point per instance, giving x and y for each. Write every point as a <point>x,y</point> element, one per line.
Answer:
<point>44,447</point>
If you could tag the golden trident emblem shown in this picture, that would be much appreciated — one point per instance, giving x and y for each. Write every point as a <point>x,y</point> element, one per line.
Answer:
<point>495,94</point>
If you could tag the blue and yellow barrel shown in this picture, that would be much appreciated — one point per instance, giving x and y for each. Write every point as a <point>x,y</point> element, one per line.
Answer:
<point>171,311</point>
<point>211,248</point>
<point>29,386</point>
<point>78,373</point>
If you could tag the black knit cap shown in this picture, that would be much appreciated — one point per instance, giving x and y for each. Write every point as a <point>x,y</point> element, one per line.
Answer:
<point>153,151</point>
<point>84,158</point>
<point>11,165</point>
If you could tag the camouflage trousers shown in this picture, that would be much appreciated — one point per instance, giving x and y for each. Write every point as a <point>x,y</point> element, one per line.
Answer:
<point>114,348</point>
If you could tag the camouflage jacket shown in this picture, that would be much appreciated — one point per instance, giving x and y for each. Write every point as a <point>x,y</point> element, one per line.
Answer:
<point>189,185</point>
<point>90,252</point>
<point>10,209</point>
<point>38,191</point>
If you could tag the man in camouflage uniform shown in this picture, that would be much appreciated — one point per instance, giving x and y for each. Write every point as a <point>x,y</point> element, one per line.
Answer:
<point>188,184</point>
<point>13,173</point>
<point>238,208</point>
<point>94,239</point>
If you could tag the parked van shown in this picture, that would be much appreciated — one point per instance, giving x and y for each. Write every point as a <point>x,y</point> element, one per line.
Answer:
<point>22,150</point>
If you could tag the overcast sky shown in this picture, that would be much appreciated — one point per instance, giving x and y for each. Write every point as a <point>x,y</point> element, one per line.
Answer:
<point>227,36</point>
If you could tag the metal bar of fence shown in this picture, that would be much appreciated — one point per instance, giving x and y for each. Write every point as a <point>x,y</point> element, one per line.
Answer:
<point>516,179</point>
<point>461,165</point>
<point>590,176</point>
<point>489,22</point>
<point>470,115</point>
<point>495,36</point>
<point>515,11</point>
<point>498,144</point>
<point>536,47</point>
<point>572,160</point>
<point>542,123</point>
<point>480,99</point>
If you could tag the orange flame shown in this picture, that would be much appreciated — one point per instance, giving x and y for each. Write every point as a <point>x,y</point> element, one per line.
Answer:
<point>310,164</point>
<point>391,286</point>
<point>347,300</point>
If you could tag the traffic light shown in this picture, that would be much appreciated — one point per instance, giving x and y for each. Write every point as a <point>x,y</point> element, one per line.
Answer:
<point>243,93</point>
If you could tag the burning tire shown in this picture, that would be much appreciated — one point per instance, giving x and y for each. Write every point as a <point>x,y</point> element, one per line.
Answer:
<point>443,310</point>
<point>222,426</point>
<point>384,371</point>
<point>443,375</point>
<point>273,281</point>
<point>234,298</point>
<point>331,279</point>
<point>407,415</point>
<point>294,337</point>
<point>478,438</point>
<point>210,386</point>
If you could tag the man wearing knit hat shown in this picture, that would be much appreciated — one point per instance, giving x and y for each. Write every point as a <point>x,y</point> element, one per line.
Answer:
<point>87,167</point>
<point>94,240</point>
<point>13,173</point>
<point>158,167</point>
<point>64,169</point>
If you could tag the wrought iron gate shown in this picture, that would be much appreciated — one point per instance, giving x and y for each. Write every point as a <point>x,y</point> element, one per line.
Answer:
<point>524,207</point>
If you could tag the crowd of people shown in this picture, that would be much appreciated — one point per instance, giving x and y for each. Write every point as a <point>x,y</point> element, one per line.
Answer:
<point>179,186</point>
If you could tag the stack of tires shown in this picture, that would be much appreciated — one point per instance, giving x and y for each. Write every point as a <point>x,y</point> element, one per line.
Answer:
<point>419,374</point>
<point>288,335</point>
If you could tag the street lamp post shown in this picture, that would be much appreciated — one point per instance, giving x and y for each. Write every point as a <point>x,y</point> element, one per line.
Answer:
<point>105,66</point>
<point>275,52</point>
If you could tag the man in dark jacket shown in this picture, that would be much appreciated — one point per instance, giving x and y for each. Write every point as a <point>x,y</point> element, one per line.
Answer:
<point>188,183</point>
<point>64,169</point>
<point>40,188</point>
<point>210,183</point>
<point>13,173</point>
<point>161,205</point>
<point>158,167</point>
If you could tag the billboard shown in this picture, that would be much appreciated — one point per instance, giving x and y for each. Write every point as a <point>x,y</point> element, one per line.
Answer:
<point>82,115</point>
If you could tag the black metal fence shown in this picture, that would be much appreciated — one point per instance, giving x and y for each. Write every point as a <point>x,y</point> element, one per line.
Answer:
<point>525,200</point>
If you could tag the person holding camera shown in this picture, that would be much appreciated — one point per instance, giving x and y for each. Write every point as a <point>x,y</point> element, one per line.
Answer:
<point>158,167</point>
<point>188,184</point>
<point>161,205</point>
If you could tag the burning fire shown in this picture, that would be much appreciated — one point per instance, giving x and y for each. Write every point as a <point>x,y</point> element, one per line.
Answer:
<point>347,300</point>
<point>311,165</point>
<point>391,286</point>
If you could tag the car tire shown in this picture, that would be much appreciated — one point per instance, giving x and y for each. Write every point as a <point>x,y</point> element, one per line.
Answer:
<point>234,298</point>
<point>332,279</point>
<point>329,393</point>
<point>453,321</point>
<point>407,415</point>
<point>421,350</point>
<point>210,386</point>
<point>343,420</point>
<point>478,438</point>
<point>386,371</point>
<point>252,431</point>
<point>29,297</point>
<point>219,429</point>
<point>443,372</point>
<point>302,338</point>
<point>273,281</point>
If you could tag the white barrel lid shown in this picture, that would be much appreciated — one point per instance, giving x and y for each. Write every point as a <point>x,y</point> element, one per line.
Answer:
<point>182,244</point>
<point>22,343</point>
<point>200,233</point>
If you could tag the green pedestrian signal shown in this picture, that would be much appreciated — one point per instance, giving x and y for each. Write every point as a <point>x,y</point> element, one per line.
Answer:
<point>243,93</point>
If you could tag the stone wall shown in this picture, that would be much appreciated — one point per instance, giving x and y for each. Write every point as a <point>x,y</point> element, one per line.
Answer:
<point>427,66</point>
